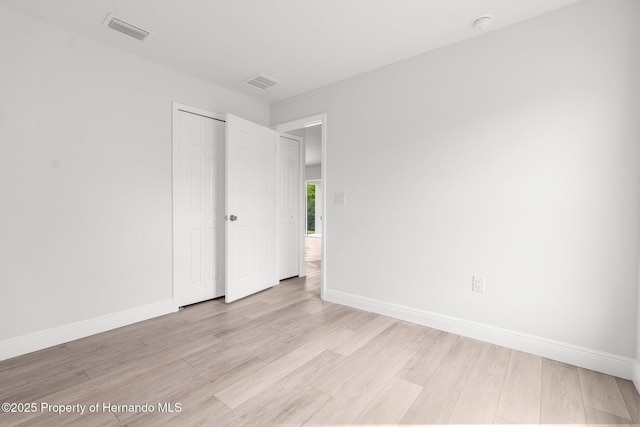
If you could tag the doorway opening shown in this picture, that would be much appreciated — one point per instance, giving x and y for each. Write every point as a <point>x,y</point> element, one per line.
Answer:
<point>314,208</point>
<point>313,132</point>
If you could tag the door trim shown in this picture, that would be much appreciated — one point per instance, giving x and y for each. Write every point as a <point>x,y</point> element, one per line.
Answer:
<point>320,119</point>
<point>175,108</point>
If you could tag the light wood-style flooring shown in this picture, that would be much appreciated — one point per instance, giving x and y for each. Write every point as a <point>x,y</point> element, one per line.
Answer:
<point>284,357</point>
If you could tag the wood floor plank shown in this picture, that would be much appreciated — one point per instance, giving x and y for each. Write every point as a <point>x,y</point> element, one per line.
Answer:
<point>125,336</point>
<point>429,357</point>
<point>256,339</point>
<point>217,307</point>
<point>522,391</point>
<point>379,353</point>
<point>631,398</point>
<point>295,320</point>
<point>196,401</point>
<point>221,364</point>
<point>561,396</point>
<point>211,322</point>
<point>499,420</point>
<point>248,331</point>
<point>177,376</point>
<point>391,404</point>
<point>294,399</point>
<point>271,353</point>
<point>282,301</point>
<point>597,417</point>
<point>314,305</point>
<point>354,319</point>
<point>493,360</point>
<point>409,335</point>
<point>98,362</point>
<point>180,336</point>
<point>601,392</point>
<point>22,365</point>
<point>118,378</point>
<point>478,401</point>
<point>34,388</point>
<point>353,396</point>
<point>61,364</point>
<point>262,379</point>
<point>362,336</point>
<point>435,403</point>
<point>228,369</point>
<point>154,361</point>
<point>293,409</point>
<point>318,367</point>
<point>137,388</point>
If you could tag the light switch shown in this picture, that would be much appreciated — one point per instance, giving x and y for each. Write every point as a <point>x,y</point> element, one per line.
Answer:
<point>338,199</point>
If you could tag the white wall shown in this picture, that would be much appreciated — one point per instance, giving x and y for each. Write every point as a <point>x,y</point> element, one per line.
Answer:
<point>298,132</point>
<point>313,152</point>
<point>313,172</point>
<point>636,367</point>
<point>85,175</point>
<point>514,156</point>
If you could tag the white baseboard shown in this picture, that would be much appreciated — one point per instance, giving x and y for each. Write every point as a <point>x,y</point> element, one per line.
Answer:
<point>36,341</point>
<point>583,357</point>
<point>636,373</point>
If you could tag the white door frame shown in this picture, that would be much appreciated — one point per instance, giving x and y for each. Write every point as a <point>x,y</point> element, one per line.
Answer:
<point>320,119</point>
<point>176,107</point>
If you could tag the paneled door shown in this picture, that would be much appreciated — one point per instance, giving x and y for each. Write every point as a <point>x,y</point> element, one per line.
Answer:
<point>199,145</point>
<point>251,152</point>
<point>289,206</point>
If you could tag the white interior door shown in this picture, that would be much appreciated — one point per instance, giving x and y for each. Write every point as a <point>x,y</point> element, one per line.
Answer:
<point>251,153</point>
<point>289,205</point>
<point>198,207</point>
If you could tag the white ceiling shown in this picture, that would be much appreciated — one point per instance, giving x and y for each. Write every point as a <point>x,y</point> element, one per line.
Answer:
<point>304,43</point>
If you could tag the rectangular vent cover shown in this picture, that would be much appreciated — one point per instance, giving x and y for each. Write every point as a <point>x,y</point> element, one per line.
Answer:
<point>261,81</point>
<point>126,28</point>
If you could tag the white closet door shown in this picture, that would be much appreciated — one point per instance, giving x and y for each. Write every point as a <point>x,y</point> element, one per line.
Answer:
<point>251,208</point>
<point>289,206</point>
<point>199,209</point>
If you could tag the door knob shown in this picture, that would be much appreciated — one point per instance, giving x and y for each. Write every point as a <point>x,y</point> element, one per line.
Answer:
<point>232,217</point>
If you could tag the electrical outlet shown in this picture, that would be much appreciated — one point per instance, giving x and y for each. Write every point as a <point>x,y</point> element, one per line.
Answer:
<point>478,284</point>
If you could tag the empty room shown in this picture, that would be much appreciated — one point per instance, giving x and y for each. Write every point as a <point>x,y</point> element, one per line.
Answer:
<point>320,212</point>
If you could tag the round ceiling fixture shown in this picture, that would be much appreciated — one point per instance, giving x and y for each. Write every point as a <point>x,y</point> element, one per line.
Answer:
<point>483,22</point>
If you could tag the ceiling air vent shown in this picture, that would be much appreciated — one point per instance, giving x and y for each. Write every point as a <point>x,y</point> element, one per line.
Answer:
<point>126,28</point>
<point>261,81</point>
